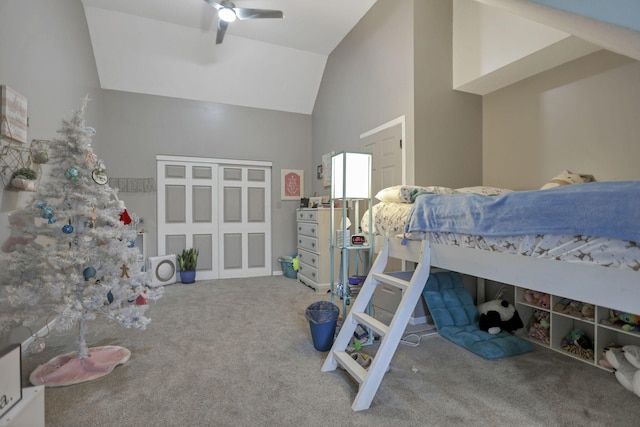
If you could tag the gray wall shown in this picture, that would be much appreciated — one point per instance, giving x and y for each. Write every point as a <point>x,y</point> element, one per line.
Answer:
<point>47,56</point>
<point>368,81</point>
<point>397,61</point>
<point>581,116</point>
<point>138,127</point>
<point>448,123</point>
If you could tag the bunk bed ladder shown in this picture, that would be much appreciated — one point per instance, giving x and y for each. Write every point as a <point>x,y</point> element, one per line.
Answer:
<point>369,379</point>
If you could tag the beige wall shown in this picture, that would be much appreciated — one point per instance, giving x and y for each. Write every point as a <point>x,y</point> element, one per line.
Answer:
<point>582,116</point>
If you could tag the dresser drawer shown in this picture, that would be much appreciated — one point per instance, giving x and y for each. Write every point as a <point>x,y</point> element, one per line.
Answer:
<point>308,258</point>
<point>308,229</point>
<point>307,270</point>
<point>310,215</point>
<point>309,243</point>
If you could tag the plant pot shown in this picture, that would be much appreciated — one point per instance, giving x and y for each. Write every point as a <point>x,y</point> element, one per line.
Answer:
<point>187,276</point>
<point>23,184</point>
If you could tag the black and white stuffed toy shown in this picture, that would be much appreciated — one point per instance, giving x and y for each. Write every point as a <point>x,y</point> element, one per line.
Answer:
<point>498,315</point>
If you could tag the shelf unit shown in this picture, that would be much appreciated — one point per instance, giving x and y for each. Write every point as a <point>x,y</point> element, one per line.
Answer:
<point>353,260</point>
<point>560,324</point>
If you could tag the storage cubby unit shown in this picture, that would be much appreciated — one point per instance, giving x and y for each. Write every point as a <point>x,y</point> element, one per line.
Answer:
<point>562,322</point>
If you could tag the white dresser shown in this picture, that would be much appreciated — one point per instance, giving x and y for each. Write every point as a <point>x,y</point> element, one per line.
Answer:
<point>313,227</point>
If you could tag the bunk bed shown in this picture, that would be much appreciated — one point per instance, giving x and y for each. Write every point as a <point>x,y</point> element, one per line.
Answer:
<point>579,241</point>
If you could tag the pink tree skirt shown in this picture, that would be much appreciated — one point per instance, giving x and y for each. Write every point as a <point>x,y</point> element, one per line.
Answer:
<point>66,369</point>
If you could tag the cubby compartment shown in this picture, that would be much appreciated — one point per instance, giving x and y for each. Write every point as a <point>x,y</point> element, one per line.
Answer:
<point>565,315</point>
<point>573,337</point>
<point>536,324</point>
<point>573,308</point>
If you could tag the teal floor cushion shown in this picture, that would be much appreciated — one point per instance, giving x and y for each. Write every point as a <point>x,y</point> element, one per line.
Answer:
<point>456,318</point>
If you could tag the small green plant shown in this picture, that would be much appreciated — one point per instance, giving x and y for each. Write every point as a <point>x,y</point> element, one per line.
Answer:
<point>188,259</point>
<point>26,173</point>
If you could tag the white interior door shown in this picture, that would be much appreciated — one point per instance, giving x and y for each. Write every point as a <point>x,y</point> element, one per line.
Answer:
<point>245,221</point>
<point>387,146</point>
<point>218,207</point>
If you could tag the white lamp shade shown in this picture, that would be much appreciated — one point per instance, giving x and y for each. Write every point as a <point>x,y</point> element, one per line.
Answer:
<point>351,176</point>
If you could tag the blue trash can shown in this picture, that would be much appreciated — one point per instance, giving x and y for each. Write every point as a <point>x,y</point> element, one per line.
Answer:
<point>322,317</point>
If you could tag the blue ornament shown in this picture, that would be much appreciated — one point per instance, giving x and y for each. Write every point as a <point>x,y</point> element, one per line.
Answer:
<point>67,229</point>
<point>110,297</point>
<point>131,244</point>
<point>72,173</point>
<point>89,272</point>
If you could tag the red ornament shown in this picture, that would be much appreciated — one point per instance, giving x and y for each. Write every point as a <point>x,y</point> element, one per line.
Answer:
<point>125,218</point>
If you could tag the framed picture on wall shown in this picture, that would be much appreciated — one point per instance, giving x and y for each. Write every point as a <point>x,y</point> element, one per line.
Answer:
<point>13,115</point>
<point>291,184</point>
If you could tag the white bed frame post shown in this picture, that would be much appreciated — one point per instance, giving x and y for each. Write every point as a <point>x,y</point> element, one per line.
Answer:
<point>412,284</point>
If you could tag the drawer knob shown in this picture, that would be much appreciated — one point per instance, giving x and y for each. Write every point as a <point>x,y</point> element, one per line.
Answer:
<point>300,241</point>
<point>313,230</point>
<point>314,275</point>
<point>313,245</point>
<point>299,228</point>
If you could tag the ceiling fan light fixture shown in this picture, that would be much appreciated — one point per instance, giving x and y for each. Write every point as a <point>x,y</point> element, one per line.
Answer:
<point>227,14</point>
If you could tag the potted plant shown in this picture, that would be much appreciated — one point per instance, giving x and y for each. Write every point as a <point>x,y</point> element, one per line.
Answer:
<point>24,179</point>
<point>188,260</point>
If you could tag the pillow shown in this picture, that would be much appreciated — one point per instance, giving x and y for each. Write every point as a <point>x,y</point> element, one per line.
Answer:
<point>403,193</point>
<point>567,178</point>
<point>483,190</point>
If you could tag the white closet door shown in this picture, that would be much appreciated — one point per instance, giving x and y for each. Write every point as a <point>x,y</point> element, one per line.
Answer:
<point>220,207</point>
<point>244,213</point>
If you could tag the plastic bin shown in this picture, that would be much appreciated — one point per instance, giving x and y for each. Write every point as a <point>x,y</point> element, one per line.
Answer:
<point>322,317</point>
<point>287,267</point>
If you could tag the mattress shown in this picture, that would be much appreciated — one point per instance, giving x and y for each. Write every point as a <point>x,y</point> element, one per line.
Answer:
<point>389,220</point>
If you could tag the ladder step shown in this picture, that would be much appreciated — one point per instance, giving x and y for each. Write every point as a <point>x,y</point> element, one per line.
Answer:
<point>372,322</point>
<point>391,280</point>
<point>346,361</point>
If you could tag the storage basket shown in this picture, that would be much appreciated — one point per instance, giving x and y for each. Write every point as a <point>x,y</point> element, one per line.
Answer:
<point>287,268</point>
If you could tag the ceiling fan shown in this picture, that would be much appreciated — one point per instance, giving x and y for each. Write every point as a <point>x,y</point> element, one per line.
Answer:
<point>228,12</point>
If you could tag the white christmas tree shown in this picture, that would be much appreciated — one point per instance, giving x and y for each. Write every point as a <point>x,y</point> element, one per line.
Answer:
<point>72,259</point>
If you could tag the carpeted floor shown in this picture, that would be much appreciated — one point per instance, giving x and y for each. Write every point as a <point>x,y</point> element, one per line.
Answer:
<point>238,352</point>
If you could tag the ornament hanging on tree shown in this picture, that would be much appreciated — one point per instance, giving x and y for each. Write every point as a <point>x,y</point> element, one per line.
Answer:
<point>72,173</point>
<point>88,273</point>
<point>46,213</point>
<point>67,228</point>
<point>100,176</point>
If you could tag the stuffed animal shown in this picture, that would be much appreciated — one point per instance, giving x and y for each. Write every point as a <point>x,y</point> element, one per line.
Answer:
<point>625,362</point>
<point>537,298</point>
<point>498,315</point>
<point>568,178</point>
<point>625,321</point>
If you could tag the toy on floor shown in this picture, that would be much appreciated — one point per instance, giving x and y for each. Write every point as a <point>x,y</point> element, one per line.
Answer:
<point>498,315</point>
<point>537,298</point>
<point>625,362</point>
<point>539,326</point>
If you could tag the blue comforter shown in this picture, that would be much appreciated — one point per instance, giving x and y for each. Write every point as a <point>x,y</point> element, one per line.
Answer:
<point>603,209</point>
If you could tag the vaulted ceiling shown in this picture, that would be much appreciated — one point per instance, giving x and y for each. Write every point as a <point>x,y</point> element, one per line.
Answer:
<point>167,47</point>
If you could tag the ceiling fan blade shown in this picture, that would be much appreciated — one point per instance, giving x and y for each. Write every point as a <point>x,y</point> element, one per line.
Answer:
<point>242,13</point>
<point>214,4</point>
<point>222,28</point>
